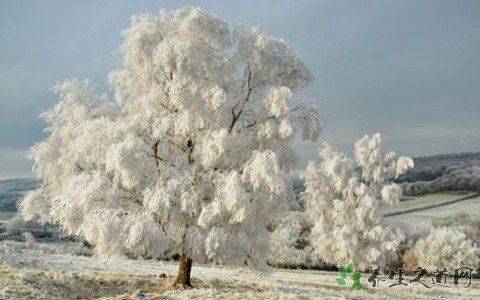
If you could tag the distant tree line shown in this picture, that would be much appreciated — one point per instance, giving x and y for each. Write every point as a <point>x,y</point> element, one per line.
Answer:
<point>446,172</point>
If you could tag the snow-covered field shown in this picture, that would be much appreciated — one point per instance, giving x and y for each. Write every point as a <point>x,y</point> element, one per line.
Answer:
<point>59,271</point>
<point>48,271</point>
<point>467,208</point>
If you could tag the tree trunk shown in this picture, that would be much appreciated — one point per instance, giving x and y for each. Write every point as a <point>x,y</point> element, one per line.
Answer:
<point>184,269</point>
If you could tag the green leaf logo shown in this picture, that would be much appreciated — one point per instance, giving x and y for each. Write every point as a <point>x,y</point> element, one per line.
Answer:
<point>357,286</point>
<point>355,277</point>
<point>349,268</point>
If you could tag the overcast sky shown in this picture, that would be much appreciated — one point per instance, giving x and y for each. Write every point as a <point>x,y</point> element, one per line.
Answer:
<point>407,69</point>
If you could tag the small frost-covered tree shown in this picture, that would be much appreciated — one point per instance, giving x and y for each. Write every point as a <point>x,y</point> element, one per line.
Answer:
<point>343,197</point>
<point>446,247</point>
<point>191,153</point>
<point>289,241</point>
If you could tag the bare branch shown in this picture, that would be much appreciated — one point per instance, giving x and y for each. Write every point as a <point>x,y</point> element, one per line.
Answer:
<point>79,167</point>
<point>157,81</point>
<point>236,116</point>
<point>157,158</point>
<point>257,122</point>
<point>174,143</point>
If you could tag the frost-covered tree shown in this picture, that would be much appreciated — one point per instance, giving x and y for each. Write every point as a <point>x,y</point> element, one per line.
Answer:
<point>344,196</point>
<point>191,151</point>
<point>290,243</point>
<point>446,247</point>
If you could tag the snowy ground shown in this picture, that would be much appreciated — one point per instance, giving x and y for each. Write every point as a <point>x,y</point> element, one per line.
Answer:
<point>48,272</point>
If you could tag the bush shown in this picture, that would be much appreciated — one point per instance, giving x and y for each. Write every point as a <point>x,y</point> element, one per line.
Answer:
<point>444,247</point>
<point>16,226</point>
<point>289,240</point>
<point>29,240</point>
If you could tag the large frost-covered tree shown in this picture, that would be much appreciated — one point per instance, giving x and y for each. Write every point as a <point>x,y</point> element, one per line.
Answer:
<point>189,154</point>
<point>344,198</point>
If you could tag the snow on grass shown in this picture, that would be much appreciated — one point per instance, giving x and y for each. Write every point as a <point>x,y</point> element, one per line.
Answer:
<point>422,201</point>
<point>68,248</point>
<point>36,274</point>
<point>470,208</point>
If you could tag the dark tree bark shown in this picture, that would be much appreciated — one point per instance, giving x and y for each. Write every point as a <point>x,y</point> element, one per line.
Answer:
<point>184,270</point>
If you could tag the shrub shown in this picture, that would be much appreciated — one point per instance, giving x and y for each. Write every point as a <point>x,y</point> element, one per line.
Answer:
<point>444,247</point>
<point>290,247</point>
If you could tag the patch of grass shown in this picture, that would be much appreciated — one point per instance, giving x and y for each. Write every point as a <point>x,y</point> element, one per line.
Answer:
<point>54,285</point>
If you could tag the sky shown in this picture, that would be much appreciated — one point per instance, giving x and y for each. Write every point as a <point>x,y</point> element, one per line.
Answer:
<point>408,69</point>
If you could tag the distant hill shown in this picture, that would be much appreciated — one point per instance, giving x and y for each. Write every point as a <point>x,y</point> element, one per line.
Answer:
<point>445,172</point>
<point>13,189</point>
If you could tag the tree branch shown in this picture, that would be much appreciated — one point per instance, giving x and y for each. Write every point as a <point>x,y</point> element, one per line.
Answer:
<point>79,167</point>
<point>155,153</point>
<point>175,144</point>
<point>266,79</point>
<point>157,158</point>
<point>158,220</point>
<point>236,116</point>
<point>190,147</point>
<point>157,81</point>
<point>257,122</point>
